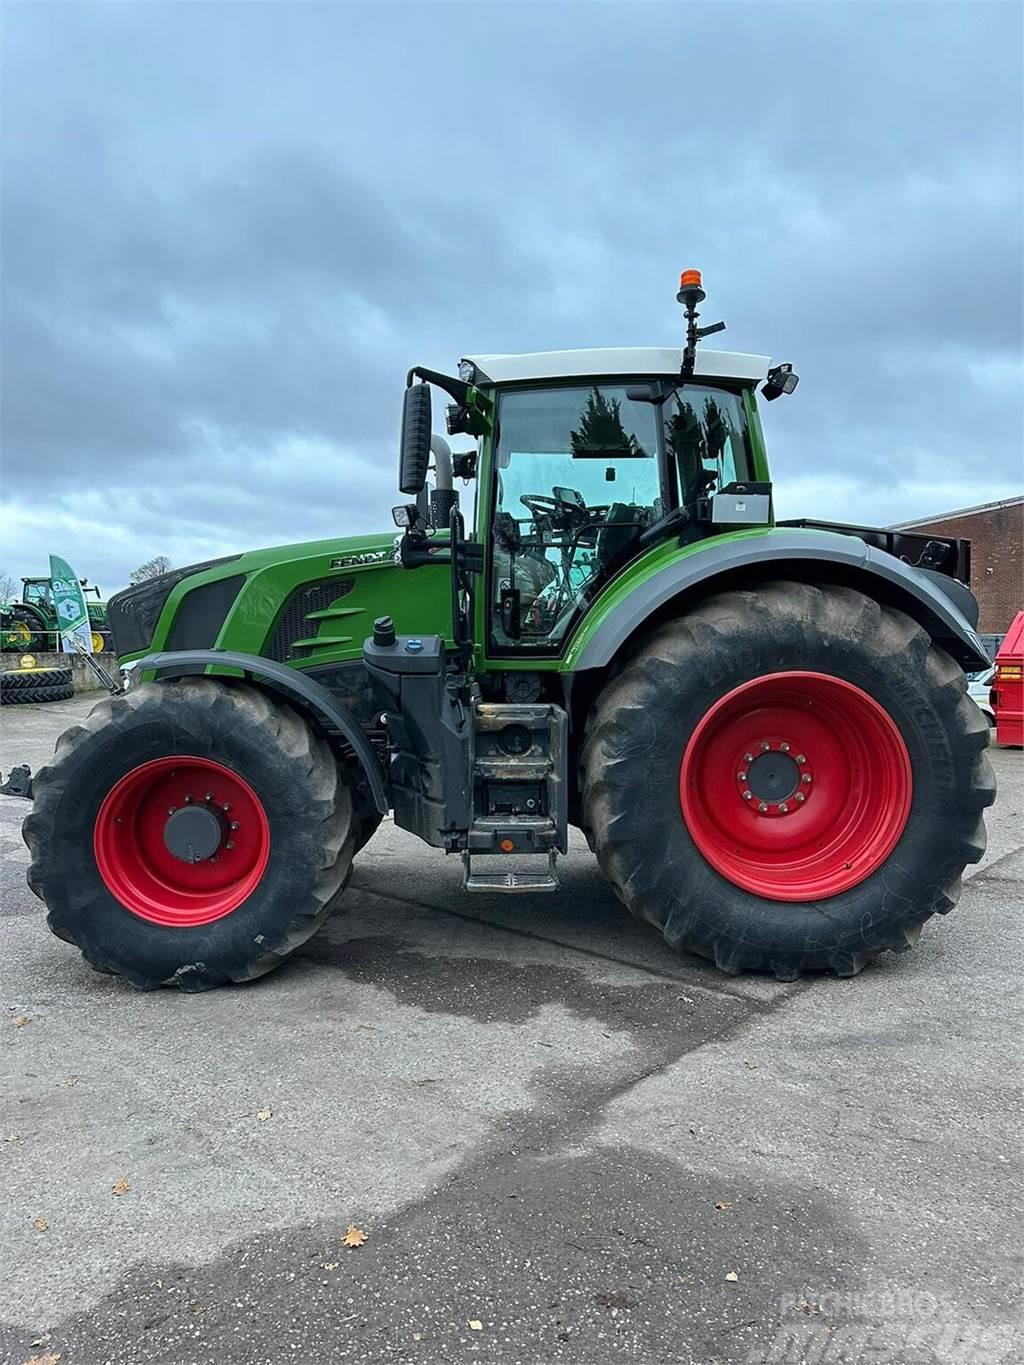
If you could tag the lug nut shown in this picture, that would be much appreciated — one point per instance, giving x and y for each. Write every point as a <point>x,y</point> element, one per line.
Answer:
<point>208,796</point>
<point>801,758</point>
<point>741,777</point>
<point>784,747</point>
<point>806,777</point>
<point>748,758</point>
<point>800,797</point>
<point>189,798</point>
<point>230,843</point>
<point>765,746</point>
<point>762,806</point>
<point>748,796</point>
<point>171,810</point>
<point>234,824</point>
<point>226,806</point>
<point>783,808</point>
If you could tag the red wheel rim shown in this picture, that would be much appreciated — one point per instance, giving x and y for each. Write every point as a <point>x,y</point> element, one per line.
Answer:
<point>796,786</point>
<point>193,805</point>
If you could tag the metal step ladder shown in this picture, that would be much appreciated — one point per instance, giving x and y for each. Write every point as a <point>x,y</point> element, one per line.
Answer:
<point>508,880</point>
<point>519,795</point>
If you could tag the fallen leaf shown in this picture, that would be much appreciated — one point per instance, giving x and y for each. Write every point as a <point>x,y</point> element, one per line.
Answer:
<point>121,1186</point>
<point>417,1336</point>
<point>752,1065</point>
<point>41,1340</point>
<point>732,1277</point>
<point>723,1204</point>
<point>330,1265</point>
<point>263,1114</point>
<point>70,1080</point>
<point>22,1020</point>
<point>50,1359</point>
<point>40,1224</point>
<point>354,1237</point>
<point>475,1325</point>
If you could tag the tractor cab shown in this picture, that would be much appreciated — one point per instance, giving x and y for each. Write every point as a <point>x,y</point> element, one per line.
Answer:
<point>586,460</point>
<point>37,592</point>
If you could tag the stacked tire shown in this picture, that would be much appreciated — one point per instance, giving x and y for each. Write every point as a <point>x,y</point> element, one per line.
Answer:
<point>24,685</point>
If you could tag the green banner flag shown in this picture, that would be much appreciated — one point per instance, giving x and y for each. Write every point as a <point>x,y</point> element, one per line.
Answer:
<point>69,604</point>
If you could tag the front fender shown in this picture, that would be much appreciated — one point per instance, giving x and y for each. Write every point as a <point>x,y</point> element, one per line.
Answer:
<point>945,607</point>
<point>290,683</point>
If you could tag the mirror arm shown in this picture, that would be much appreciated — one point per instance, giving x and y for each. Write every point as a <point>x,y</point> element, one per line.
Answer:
<point>455,387</point>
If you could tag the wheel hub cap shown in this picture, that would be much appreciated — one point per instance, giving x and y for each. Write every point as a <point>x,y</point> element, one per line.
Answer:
<point>773,777</point>
<point>193,833</point>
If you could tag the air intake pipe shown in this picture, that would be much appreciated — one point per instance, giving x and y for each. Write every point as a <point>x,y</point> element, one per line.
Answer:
<point>444,497</point>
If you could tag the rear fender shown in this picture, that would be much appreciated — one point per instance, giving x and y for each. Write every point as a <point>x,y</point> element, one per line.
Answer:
<point>304,693</point>
<point>943,606</point>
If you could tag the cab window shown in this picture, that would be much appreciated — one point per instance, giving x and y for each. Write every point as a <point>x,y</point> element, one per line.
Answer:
<point>577,481</point>
<point>581,472</point>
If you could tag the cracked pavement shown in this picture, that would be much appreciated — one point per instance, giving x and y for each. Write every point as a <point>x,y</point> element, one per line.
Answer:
<point>561,1139</point>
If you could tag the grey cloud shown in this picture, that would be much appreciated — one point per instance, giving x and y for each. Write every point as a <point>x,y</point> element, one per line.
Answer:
<point>229,230</point>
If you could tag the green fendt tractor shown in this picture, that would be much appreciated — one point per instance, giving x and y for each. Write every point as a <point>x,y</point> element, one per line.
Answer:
<point>31,623</point>
<point>762,728</point>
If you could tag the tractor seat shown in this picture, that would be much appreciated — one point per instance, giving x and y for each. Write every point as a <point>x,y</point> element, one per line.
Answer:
<point>619,530</point>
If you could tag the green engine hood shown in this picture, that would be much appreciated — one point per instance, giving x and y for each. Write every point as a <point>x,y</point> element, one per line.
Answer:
<point>307,605</point>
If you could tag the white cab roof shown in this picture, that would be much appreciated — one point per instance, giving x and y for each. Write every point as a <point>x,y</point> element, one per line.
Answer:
<point>645,360</point>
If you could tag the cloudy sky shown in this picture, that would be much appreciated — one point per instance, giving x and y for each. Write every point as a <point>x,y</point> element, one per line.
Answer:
<point>229,229</point>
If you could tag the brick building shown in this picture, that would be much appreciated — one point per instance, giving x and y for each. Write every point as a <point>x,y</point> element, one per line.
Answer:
<point>996,533</point>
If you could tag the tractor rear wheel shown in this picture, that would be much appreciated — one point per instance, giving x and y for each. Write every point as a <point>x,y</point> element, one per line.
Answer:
<point>21,631</point>
<point>787,779</point>
<point>190,833</point>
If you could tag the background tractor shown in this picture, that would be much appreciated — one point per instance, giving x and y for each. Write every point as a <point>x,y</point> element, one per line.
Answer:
<point>31,623</point>
<point>762,728</point>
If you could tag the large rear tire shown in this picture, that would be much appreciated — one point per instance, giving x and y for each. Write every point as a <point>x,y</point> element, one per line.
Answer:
<point>189,834</point>
<point>789,779</point>
<point>18,686</point>
<point>62,692</point>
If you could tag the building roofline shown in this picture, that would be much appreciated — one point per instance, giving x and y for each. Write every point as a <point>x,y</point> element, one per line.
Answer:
<point>959,512</point>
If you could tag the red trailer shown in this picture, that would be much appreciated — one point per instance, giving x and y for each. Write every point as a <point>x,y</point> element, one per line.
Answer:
<point>1008,686</point>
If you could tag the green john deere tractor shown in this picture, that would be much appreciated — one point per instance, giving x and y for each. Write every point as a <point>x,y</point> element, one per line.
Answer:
<point>32,622</point>
<point>761,727</point>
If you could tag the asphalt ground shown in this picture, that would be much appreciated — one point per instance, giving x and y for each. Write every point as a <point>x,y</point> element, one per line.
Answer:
<point>562,1141</point>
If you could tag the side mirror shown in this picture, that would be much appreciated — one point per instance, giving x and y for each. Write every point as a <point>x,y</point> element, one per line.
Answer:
<point>415,445</point>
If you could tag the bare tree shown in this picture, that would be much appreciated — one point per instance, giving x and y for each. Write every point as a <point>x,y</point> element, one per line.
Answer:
<point>152,568</point>
<point>10,590</point>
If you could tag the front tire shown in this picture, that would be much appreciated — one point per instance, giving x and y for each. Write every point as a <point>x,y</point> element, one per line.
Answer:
<point>189,834</point>
<point>709,827</point>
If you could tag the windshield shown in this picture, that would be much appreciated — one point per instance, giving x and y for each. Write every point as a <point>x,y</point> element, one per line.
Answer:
<point>582,472</point>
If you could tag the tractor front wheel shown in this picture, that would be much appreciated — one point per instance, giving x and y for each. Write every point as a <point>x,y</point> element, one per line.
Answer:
<point>189,834</point>
<point>788,779</point>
